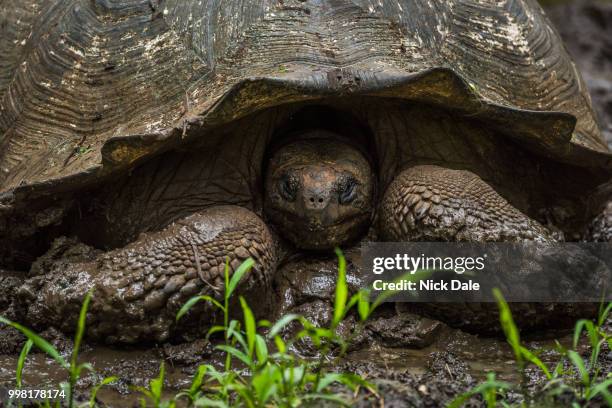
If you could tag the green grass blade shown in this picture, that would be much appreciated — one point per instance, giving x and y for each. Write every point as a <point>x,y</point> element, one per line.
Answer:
<point>261,350</point>
<point>536,361</point>
<point>341,290</point>
<point>488,389</point>
<point>363,305</point>
<point>147,393</point>
<point>193,301</point>
<point>198,379</point>
<point>208,402</point>
<point>576,359</point>
<point>578,328</point>
<point>603,389</point>
<point>249,326</point>
<point>233,331</point>
<point>602,316</point>
<point>326,380</point>
<point>78,338</point>
<point>157,385</point>
<point>280,344</point>
<point>353,381</point>
<point>281,323</point>
<point>94,391</point>
<point>38,341</point>
<point>236,353</point>
<point>265,384</point>
<point>237,276</point>
<point>213,330</point>
<point>21,361</point>
<point>264,323</point>
<point>294,375</point>
<point>459,401</point>
<point>508,325</point>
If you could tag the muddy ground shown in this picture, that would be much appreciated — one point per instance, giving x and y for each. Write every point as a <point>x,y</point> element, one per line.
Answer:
<point>413,360</point>
<point>424,363</point>
<point>412,372</point>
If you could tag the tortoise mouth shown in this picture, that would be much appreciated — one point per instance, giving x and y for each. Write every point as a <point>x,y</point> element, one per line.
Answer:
<point>313,235</point>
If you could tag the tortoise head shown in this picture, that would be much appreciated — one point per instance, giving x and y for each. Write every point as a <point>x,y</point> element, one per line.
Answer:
<point>319,191</point>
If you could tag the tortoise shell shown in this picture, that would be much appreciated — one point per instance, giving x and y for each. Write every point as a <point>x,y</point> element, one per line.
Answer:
<point>92,87</point>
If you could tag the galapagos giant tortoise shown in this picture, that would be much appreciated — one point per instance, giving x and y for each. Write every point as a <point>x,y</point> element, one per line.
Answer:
<point>162,136</point>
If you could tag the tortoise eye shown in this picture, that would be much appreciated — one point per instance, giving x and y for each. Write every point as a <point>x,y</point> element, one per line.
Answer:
<point>348,192</point>
<point>287,187</point>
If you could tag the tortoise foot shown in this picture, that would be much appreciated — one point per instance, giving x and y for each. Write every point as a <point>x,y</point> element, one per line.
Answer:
<point>138,289</point>
<point>431,203</point>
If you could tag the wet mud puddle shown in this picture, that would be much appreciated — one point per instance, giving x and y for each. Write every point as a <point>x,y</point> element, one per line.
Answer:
<point>136,367</point>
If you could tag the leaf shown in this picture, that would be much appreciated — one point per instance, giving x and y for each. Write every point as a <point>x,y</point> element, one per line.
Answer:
<point>603,314</point>
<point>81,367</point>
<point>236,353</point>
<point>488,389</point>
<point>21,361</point>
<point>213,330</point>
<point>244,392</point>
<point>212,372</point>
<point>294,375</point>
<point>354,380</point>
<point>508,325</point>
<point>341,290</point>
<point>236,276</point>
<point>207,402</point>
<point>579,364</point>
<point>196,384</point>
<point>535,360</point>
<point>261,350</point>
<point>157,384</point>
<point>249,326</point>
<point>78,338</point>
<point>265,384</point>
<point>38,341</point>
<point>603,388</point>
<point>233,331</point>
<point>326,380</point>
<point>461,399</point>
<point>363,305</point>
<point>280,344</point>
<point>281,323</point>
<point>191,302</point>
<point>94,391</point>
<point>580,324</point>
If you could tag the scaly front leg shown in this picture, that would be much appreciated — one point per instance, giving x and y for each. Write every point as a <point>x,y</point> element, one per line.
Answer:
<point>139,288</point>
<point>431,203</point>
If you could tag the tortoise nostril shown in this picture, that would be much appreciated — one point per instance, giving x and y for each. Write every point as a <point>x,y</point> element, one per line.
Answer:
<point>312,199</point>
<point>320,200</point>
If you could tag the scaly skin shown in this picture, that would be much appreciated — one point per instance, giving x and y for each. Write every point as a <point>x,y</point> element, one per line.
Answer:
<point>434,203</point>
<point>138,289</point>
